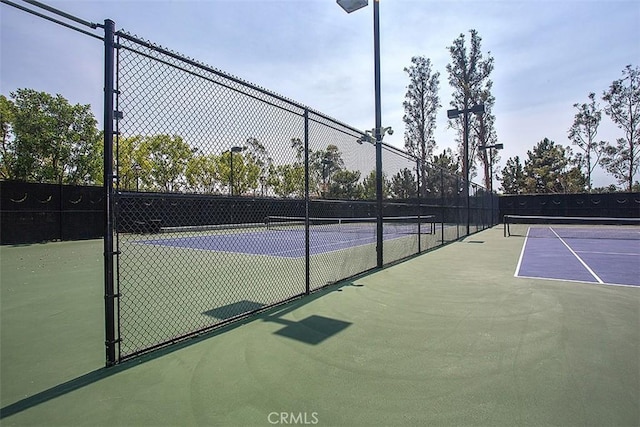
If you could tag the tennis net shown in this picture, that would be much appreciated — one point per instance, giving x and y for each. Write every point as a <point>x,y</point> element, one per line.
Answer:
<point>572,227</point>
<point>390,225</point>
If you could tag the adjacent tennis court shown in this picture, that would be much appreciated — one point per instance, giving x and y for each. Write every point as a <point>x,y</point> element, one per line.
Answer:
<point>285,236</point>
<point>594,250</point>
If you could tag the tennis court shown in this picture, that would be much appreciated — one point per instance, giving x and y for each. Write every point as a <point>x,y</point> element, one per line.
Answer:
<point>285,236</point>
<point>450,337</point>
<point>594,250</point>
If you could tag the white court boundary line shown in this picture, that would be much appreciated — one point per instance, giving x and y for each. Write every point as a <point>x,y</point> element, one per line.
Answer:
<point>593,273</point>
<point>517,273</point>
<point>524,245</point>
<point>577,281</point>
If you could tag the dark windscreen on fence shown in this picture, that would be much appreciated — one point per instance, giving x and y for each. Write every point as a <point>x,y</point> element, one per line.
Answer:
<point>35,212</point>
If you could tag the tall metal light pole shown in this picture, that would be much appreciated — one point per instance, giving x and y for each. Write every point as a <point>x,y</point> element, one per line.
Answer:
<point>325,162</point>
<point>491,148</point>
<point>137,168</point>
<point>351,6</point>
<point>232,152</point>
<point>453,114</point>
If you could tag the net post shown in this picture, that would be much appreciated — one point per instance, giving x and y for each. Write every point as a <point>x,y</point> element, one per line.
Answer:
<point>109,294</point>
<point>505,222</point>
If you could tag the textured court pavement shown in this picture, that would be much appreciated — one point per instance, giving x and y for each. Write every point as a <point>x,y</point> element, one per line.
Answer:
<point>447,338</point>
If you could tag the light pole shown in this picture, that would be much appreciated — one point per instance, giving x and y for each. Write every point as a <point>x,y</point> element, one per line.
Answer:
<point>491,148</point>
<point>137,168</point>
<point>325,162</point>
<point>232,152</point>
<point>454,114</point>
<point>351,6</point>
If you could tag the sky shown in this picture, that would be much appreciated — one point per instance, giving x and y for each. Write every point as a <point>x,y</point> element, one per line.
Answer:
<point>549,55</point>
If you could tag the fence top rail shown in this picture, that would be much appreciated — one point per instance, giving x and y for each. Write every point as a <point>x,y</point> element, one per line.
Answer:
<point>160,49</point>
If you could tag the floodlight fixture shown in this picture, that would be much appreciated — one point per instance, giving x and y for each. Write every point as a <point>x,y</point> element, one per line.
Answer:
<point>352,5</point>
<point>453,114</point>
<point>477,109</point>
<point>237,149</point>
<point>494,146</point>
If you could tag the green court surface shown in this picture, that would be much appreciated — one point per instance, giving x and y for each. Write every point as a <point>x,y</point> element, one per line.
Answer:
<point>450,337</point>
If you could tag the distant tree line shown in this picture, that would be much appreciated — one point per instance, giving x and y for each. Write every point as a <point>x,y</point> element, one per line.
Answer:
<point>549,167</point>
<point>47,139</point>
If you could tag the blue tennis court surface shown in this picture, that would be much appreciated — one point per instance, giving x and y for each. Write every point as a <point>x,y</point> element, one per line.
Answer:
<point>279,243</point>
<point>594,260</point>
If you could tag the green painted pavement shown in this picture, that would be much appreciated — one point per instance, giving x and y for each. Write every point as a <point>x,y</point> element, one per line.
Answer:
<point>446,338</point>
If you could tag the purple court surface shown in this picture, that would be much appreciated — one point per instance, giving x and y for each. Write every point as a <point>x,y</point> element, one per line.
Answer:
<point>278,243</point>
<point>602,261</point>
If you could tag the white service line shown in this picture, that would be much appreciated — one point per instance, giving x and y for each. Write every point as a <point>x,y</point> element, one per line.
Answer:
<point>595,276</point>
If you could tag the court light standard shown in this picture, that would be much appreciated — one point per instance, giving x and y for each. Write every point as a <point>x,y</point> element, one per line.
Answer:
<point>351,6</point>
<point>454,114</point>
<point>491,148</point>
<point>232,152</point>
<point>137,168</point>
<point>325,163</point>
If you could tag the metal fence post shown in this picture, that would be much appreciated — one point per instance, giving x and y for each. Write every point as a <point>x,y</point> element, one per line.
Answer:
<point>419,194</point>
<point>307,254</point>
<point>109,294</point>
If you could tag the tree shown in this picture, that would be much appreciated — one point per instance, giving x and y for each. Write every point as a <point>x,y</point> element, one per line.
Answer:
<point>439,171</point>
<point>623,107</point>
<point>548,170</point>
<point>7,150</point>
<point>54,141</point>
<point>164,163</point>
<point>447,162</point>
<point>421,105</point>
<point>583,134</point>
<point>486,134</point>
<point>369,186</point>
<point>469,77</point>
<point>260,157</point>
<point>322,165</point>
<point>403,185</point>
<point>202,174</point>
<point>513,181</point>
<point>245,173</point>
<point>287,180</point>
<point>344,185</point>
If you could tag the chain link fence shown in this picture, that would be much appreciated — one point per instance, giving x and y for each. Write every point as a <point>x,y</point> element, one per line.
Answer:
<point>229,198</point>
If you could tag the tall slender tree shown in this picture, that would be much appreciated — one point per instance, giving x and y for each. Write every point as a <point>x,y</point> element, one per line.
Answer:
<point>485,132</point>
<point>623,107</point>
<point>583,133</point>
<point>513,176</point>
<point>469,72</point>
<point>421,105</point>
